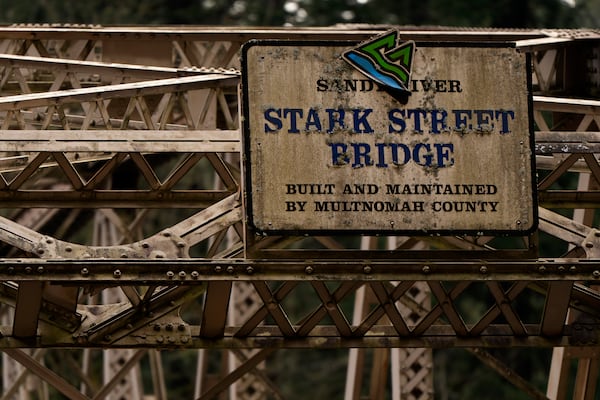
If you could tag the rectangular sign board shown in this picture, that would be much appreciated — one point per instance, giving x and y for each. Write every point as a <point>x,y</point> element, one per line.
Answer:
<point>330,150</point>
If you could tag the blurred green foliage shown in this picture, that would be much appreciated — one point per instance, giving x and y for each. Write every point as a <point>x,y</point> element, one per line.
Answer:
<point>484,13</point>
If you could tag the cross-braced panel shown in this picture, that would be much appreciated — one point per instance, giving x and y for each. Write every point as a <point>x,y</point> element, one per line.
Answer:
<point>156,150</point>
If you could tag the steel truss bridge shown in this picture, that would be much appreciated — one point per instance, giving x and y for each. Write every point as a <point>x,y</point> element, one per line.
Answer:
<point>123,228</point>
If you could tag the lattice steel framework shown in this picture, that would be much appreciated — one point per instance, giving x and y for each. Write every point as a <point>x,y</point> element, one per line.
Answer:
<point>142,127</point>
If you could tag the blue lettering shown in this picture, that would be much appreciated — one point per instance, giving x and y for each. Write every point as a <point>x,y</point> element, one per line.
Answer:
<point>293,113</point>
<point>381,155</point>
<point>271,116</point>
<point>417,114</point>
<point>444,154</point>
<point>361,120</point>
<point>422,150</point>
<point>504,114</point>
<point>333,120</point>
<point>397,124</point>
<point>462,117</point>
<point>438,120</point>
<point>483,119</point>
<point>361,152</point>
<point>312,120</point>
<point>405,150</point>
<point>339,153</point>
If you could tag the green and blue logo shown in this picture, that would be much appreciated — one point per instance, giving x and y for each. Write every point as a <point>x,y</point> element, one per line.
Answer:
<point>385,60</point>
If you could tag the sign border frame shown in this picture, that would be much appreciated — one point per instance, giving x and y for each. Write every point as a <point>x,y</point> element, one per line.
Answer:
<point>247,159</point>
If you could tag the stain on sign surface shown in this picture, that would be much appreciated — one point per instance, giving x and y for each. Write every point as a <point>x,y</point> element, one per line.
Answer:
<point>328,149</point>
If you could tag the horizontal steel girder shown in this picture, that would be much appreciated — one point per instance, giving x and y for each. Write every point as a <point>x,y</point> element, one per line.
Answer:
<point>191,271</point>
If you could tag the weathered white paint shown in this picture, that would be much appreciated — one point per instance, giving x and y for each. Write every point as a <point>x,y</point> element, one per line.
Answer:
<point>283,156</point>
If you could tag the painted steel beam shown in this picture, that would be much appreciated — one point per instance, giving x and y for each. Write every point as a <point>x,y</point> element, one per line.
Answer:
<point>196,270</point>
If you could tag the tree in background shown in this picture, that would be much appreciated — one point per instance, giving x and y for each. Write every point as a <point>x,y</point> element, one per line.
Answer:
<point>474,13</point>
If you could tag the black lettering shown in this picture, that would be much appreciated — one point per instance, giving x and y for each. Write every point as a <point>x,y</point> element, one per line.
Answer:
<point>322,85</point>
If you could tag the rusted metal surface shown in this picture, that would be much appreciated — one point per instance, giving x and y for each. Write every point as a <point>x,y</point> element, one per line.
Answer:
<point>133,141</point>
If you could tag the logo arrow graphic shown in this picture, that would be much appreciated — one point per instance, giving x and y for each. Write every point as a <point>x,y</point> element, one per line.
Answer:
<point>384,60</point>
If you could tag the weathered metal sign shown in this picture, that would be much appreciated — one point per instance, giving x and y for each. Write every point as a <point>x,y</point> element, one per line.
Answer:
<point>332,147</point>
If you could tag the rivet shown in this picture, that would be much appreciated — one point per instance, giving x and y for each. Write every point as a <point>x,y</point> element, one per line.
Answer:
<point>561,268</point>
<point>145,245</point>
<point>185,339</point>
<point>182,274</point>
<point>181,245</point>
<point>596,274</point>
<point>40,251</point>
<point>124,255</point>
<point>169,327</point>
<point>108,338</point>
<point>157,327</point>
<point>542,269</point>
<point>218,269</point>
<point>250,270</point>
<point>68,249</point>
<point>309,270</point>
<point>171,339</point>
<point>426,269</point>
<point>572,268</point>
<point>40,270</point>
<point>167,234</point>
<point>85,271</point>
<point>195,274</point>
<point>367,269</point>
<point>129,326</point>
<point>11,270</point>
<point>28,270</point>
<point>117,273</point>
<point>170,274</point>
<point>483,269</point>
<point>160,339</point>
<point>181,327</point>
<point>230,269</point>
